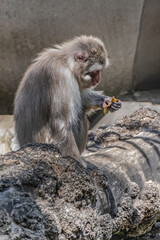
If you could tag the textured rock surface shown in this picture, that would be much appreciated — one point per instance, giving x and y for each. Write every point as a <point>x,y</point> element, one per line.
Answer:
<point>129,155</point>
<point>44,196</point>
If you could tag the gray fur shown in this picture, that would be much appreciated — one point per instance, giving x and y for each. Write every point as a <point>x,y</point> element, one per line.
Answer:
<point>56,93</point>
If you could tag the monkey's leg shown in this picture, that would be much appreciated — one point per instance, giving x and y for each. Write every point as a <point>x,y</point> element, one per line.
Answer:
<point>69,149</point>
<point>63,139</point>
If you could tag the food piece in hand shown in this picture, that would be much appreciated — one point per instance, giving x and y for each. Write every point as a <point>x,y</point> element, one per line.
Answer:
<point>106,106</point>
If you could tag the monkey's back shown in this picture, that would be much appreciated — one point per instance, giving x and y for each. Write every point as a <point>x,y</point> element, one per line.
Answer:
<point>32,103</point>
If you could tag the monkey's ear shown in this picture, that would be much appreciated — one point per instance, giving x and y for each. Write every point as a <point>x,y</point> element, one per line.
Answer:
<point>81,57</point>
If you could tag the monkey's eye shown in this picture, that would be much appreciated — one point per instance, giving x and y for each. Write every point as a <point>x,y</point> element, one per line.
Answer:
<point>81,57</point>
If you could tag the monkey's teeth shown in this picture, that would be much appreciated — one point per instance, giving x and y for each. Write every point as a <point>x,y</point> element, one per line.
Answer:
<point>87,77</point>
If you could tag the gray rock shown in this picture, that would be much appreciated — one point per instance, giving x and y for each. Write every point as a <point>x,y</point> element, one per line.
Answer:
<point>44,196</point>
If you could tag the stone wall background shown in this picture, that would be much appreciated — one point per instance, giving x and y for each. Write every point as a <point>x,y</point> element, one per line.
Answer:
<point>129,29</point>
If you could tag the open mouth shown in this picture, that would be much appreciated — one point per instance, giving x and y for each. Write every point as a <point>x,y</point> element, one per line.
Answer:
<point>95,77</point>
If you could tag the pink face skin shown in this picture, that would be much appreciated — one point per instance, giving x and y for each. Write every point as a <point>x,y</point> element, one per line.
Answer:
<point>95,77</point>
<point>91,77</point>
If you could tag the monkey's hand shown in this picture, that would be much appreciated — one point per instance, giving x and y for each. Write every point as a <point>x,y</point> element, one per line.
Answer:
<point>111,104</point>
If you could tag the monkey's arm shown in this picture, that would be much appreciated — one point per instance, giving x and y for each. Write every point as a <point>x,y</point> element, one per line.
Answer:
<point>95,99</point>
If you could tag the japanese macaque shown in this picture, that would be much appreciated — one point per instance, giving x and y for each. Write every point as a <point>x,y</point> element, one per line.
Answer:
<point>57,92</point>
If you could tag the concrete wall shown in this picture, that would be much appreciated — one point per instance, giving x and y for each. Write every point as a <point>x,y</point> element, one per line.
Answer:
<point>26,27</point>
<point>146,73</point>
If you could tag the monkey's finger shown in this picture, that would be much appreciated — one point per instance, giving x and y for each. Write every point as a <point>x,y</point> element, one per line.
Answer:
<point>117,104</point>
<point>114,107</point>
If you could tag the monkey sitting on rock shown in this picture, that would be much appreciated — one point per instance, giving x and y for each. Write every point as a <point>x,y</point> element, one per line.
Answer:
<point>57,92</point>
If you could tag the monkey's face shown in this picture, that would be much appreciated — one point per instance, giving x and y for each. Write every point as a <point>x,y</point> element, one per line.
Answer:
<point>90,59</point>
